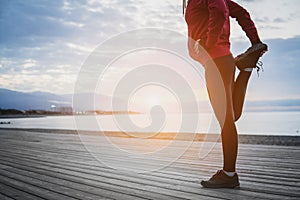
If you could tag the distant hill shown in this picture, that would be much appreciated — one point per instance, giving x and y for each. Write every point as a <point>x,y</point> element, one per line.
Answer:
<point>10,99</point>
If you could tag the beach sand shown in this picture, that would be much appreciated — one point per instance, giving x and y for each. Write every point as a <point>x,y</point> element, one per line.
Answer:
<point>60,164</point>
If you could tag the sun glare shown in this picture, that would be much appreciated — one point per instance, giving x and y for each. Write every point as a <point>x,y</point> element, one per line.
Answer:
<point>147,97</point>
<point>154,100</point>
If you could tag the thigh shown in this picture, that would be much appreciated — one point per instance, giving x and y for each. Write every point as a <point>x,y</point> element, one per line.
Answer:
<point>219,74</point>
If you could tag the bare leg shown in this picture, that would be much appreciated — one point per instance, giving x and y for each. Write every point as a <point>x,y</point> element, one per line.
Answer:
<point>239,93</point>
<point>219,81</point>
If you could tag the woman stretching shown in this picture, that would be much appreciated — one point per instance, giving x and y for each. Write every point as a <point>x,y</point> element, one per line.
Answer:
<point>208,31</point>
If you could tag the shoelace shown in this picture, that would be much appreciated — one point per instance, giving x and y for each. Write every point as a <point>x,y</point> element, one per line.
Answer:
<point>217,174</point>
<point>259,67</point>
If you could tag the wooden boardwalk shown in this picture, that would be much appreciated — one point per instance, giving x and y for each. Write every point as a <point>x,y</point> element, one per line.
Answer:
<point>39,165</point>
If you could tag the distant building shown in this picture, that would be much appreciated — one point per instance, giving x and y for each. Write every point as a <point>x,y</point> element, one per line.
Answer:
<point>62,110</point>
<point>65,110</point>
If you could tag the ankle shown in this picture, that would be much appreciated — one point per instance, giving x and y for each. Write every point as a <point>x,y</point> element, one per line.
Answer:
<point>230,174</point>
<point>249,69</point>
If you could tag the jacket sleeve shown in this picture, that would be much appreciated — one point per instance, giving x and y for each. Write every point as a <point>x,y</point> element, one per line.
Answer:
<point>217,17</point>
<point>243,18</point>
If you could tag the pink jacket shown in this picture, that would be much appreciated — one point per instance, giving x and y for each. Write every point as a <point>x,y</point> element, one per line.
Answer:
<point>208,20</point>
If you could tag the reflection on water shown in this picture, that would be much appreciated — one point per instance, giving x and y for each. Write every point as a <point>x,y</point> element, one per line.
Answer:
<point>266,123</point>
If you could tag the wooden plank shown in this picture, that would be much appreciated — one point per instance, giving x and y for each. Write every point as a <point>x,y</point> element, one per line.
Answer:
<point>3,197</point>
<point>8,192</point>
<point>63,158</point>
<point>293,173</point>
<point>40,193</point>
<point>291,181</point>
<point>241,158</point>
<point>135,187</point>
<point>273,198</point>
<point>45,184</point>
<point>193,187</point>
<point>51,177</point>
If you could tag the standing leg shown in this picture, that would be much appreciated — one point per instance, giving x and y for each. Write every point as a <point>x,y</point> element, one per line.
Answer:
<point>239,93</point>
<point>219,81</point>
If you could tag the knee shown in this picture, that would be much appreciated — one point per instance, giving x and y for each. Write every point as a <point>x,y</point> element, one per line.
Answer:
<point>237,116</point>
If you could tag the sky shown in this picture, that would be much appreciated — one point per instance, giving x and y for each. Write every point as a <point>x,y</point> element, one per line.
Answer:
<point>43,44</point>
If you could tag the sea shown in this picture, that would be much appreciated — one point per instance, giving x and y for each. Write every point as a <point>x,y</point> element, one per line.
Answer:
<point>251,123</point>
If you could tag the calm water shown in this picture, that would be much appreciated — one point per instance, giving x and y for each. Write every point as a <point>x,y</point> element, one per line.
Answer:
<point>268,123</point>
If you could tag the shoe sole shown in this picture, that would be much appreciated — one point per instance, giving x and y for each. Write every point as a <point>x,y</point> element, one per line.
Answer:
<point>221,186</point>
<point>237,187</point>
<point>263,48</point>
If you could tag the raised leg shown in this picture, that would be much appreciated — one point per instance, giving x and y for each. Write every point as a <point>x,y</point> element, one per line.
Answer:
<point>239,93</point>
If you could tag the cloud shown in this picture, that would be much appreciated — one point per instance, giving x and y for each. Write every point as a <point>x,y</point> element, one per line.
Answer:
<point>44,43</point>
<point>279,20</point>
<point>274,18</point>
<point>29,63</point>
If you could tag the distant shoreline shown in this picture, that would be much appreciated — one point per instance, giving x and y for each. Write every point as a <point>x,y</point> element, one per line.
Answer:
<point>57,115</point>
<point>21,116</point>
<point>243,139</point>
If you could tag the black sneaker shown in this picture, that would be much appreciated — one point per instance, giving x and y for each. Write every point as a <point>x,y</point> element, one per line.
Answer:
<point>249,59</point>
<point>221,180</point>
